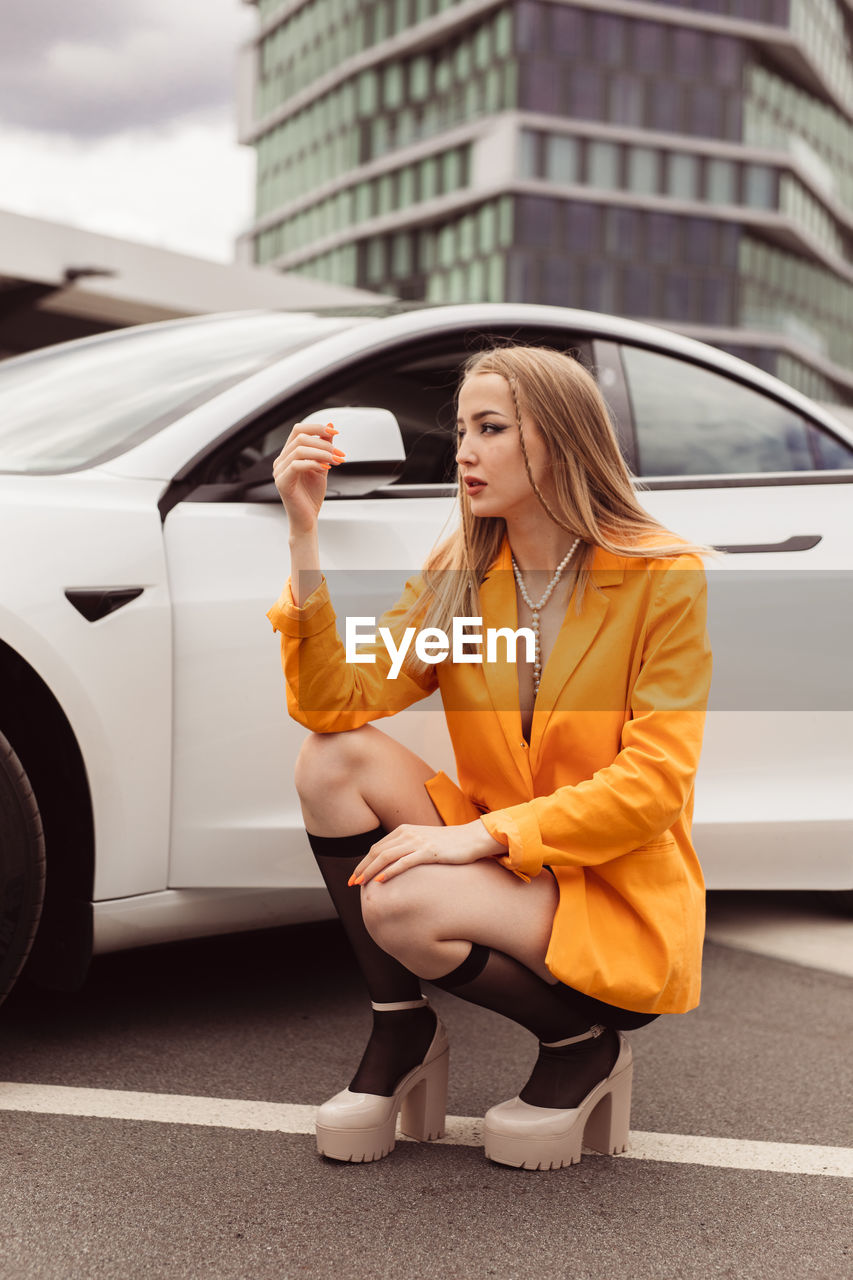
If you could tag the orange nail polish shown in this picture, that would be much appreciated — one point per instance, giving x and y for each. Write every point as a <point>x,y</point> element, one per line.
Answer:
<point>381,876</point>
<point>360,880</point>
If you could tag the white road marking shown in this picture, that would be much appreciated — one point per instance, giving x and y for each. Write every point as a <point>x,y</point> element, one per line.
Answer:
<point>165,1108</point>
<point>465,1131</point>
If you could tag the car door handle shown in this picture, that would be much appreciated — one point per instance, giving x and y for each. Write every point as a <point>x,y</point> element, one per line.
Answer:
<point>95,603</point>
<point>799,542</point>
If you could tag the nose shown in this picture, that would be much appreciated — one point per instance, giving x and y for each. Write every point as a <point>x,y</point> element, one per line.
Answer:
<point>464,451</point>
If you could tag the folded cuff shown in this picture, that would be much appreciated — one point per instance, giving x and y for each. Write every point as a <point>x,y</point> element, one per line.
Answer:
<point>315,615</point>
<point>518,829</point>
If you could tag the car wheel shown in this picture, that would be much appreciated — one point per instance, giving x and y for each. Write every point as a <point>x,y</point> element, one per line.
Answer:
<point>22,866</point>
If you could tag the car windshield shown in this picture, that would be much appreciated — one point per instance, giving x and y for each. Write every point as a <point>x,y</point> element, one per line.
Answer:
<point>71,406</point>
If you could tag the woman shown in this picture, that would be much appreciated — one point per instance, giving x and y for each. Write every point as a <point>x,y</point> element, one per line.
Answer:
<point>557,884</point>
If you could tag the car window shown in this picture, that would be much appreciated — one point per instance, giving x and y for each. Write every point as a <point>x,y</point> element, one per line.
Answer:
<point>420,391</point>
<point>80,403</point>
<point>692,421</point>
<point>421,400</point>
<point>832,454</point>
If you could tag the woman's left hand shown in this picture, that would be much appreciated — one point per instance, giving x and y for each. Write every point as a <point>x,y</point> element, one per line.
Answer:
<point>410,846</point>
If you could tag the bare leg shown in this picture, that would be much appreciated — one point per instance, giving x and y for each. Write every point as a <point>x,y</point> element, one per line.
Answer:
<point>351,781</point>
<point>429,916</point>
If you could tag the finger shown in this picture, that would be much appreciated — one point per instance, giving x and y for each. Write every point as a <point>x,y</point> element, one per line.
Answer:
<point>308,432</point>
<point>359,872</point>
<point>302,454</point>
<point>417,858</point>
<point>378,857</point>
<point>301,469</point>
<point>287,476</point>
<point>403,839</point>
<point>304,446</point>
<point>316,428</point>
<point>366,870</point>
<point>385,864</point>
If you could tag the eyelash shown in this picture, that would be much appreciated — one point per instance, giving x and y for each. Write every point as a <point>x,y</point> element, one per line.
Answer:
<point>486,426</point>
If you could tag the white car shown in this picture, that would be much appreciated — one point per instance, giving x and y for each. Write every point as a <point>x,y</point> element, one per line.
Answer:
<point>142,707</point>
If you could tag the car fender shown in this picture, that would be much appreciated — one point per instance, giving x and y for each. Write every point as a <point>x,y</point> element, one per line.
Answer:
<point>112,677</point>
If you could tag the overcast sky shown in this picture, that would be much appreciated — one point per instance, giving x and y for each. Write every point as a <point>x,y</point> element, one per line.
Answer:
<point>119,116</point>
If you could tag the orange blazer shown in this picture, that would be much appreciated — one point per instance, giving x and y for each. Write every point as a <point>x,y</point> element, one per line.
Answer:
<point>602,794</point>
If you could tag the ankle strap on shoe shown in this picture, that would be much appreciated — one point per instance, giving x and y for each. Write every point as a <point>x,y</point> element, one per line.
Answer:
<point>399,1004</point>
<point>592,1034</point>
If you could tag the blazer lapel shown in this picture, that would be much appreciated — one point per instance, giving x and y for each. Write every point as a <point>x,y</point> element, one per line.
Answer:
<point>577,633</point>
<point>499,609</point>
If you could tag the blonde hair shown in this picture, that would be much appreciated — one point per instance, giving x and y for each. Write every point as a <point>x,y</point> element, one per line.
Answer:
<point>595,497</point>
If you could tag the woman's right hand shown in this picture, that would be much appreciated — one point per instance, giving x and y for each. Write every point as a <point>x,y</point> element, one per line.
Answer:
<point>300,472</point>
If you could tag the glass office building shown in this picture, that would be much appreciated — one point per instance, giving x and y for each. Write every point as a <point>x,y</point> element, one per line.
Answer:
<point>689,164</point>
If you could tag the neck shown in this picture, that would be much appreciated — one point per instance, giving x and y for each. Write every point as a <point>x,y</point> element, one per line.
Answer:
<point>539,548</point>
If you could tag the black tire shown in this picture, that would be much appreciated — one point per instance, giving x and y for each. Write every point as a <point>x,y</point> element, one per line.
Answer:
<point>22,867</point>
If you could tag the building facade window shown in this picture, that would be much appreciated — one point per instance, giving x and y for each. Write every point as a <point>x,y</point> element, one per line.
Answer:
<point>561,159</point>
<point>333,196</point>
<point>721,181</point>
<point>682,175</point>
<point>603,164</point>
<point>643,166</point>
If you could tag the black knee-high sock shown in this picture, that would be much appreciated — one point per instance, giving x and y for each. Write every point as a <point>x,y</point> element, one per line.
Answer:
<point>564,1075</point>
<point>399,1039</point>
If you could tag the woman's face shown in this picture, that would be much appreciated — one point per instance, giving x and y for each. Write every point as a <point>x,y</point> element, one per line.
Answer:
<point>491,465</point>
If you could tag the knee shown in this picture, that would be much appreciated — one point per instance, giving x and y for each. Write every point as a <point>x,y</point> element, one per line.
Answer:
<point>390,912</point>
<point>326,761</point>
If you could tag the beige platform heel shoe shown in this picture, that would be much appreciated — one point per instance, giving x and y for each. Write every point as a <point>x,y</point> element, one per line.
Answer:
<point>360,1127</point>
<point>529,1137</point>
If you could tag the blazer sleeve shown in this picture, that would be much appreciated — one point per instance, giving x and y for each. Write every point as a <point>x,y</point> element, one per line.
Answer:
<point>636,799</point>
<point>325,692</point>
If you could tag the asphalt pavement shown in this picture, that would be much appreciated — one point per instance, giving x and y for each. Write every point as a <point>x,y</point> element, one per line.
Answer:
<point>742,1160</point>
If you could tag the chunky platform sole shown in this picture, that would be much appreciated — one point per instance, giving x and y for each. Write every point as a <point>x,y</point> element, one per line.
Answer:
<point>528,1137</point>
<point>361,1127</point>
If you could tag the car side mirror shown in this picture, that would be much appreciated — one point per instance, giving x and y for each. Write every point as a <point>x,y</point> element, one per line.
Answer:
<point>373,444</point>
<point>372,441</point>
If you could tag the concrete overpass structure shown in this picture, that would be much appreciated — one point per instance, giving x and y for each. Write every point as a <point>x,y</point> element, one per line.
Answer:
<point>59,282</point>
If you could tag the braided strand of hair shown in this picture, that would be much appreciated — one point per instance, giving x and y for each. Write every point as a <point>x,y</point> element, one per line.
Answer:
<point>534,486</point>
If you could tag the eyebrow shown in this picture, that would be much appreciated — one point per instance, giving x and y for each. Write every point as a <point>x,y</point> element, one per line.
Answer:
<point>484,413</point>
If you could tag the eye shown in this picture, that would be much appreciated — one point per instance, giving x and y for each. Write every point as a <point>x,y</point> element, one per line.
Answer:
<point>485,428</point>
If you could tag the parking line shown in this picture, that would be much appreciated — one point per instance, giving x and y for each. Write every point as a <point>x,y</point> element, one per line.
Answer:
<point>465,1131</point>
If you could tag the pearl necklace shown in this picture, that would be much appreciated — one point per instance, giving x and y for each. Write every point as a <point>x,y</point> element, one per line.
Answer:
<point>535,608</point>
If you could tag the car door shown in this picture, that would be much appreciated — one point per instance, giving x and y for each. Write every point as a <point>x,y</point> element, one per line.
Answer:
<point>726,464</point>
<point>235,814</point>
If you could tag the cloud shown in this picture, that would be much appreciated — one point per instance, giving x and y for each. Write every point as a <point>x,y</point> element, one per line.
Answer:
<point>186,187</point>
<point>99,68</point>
